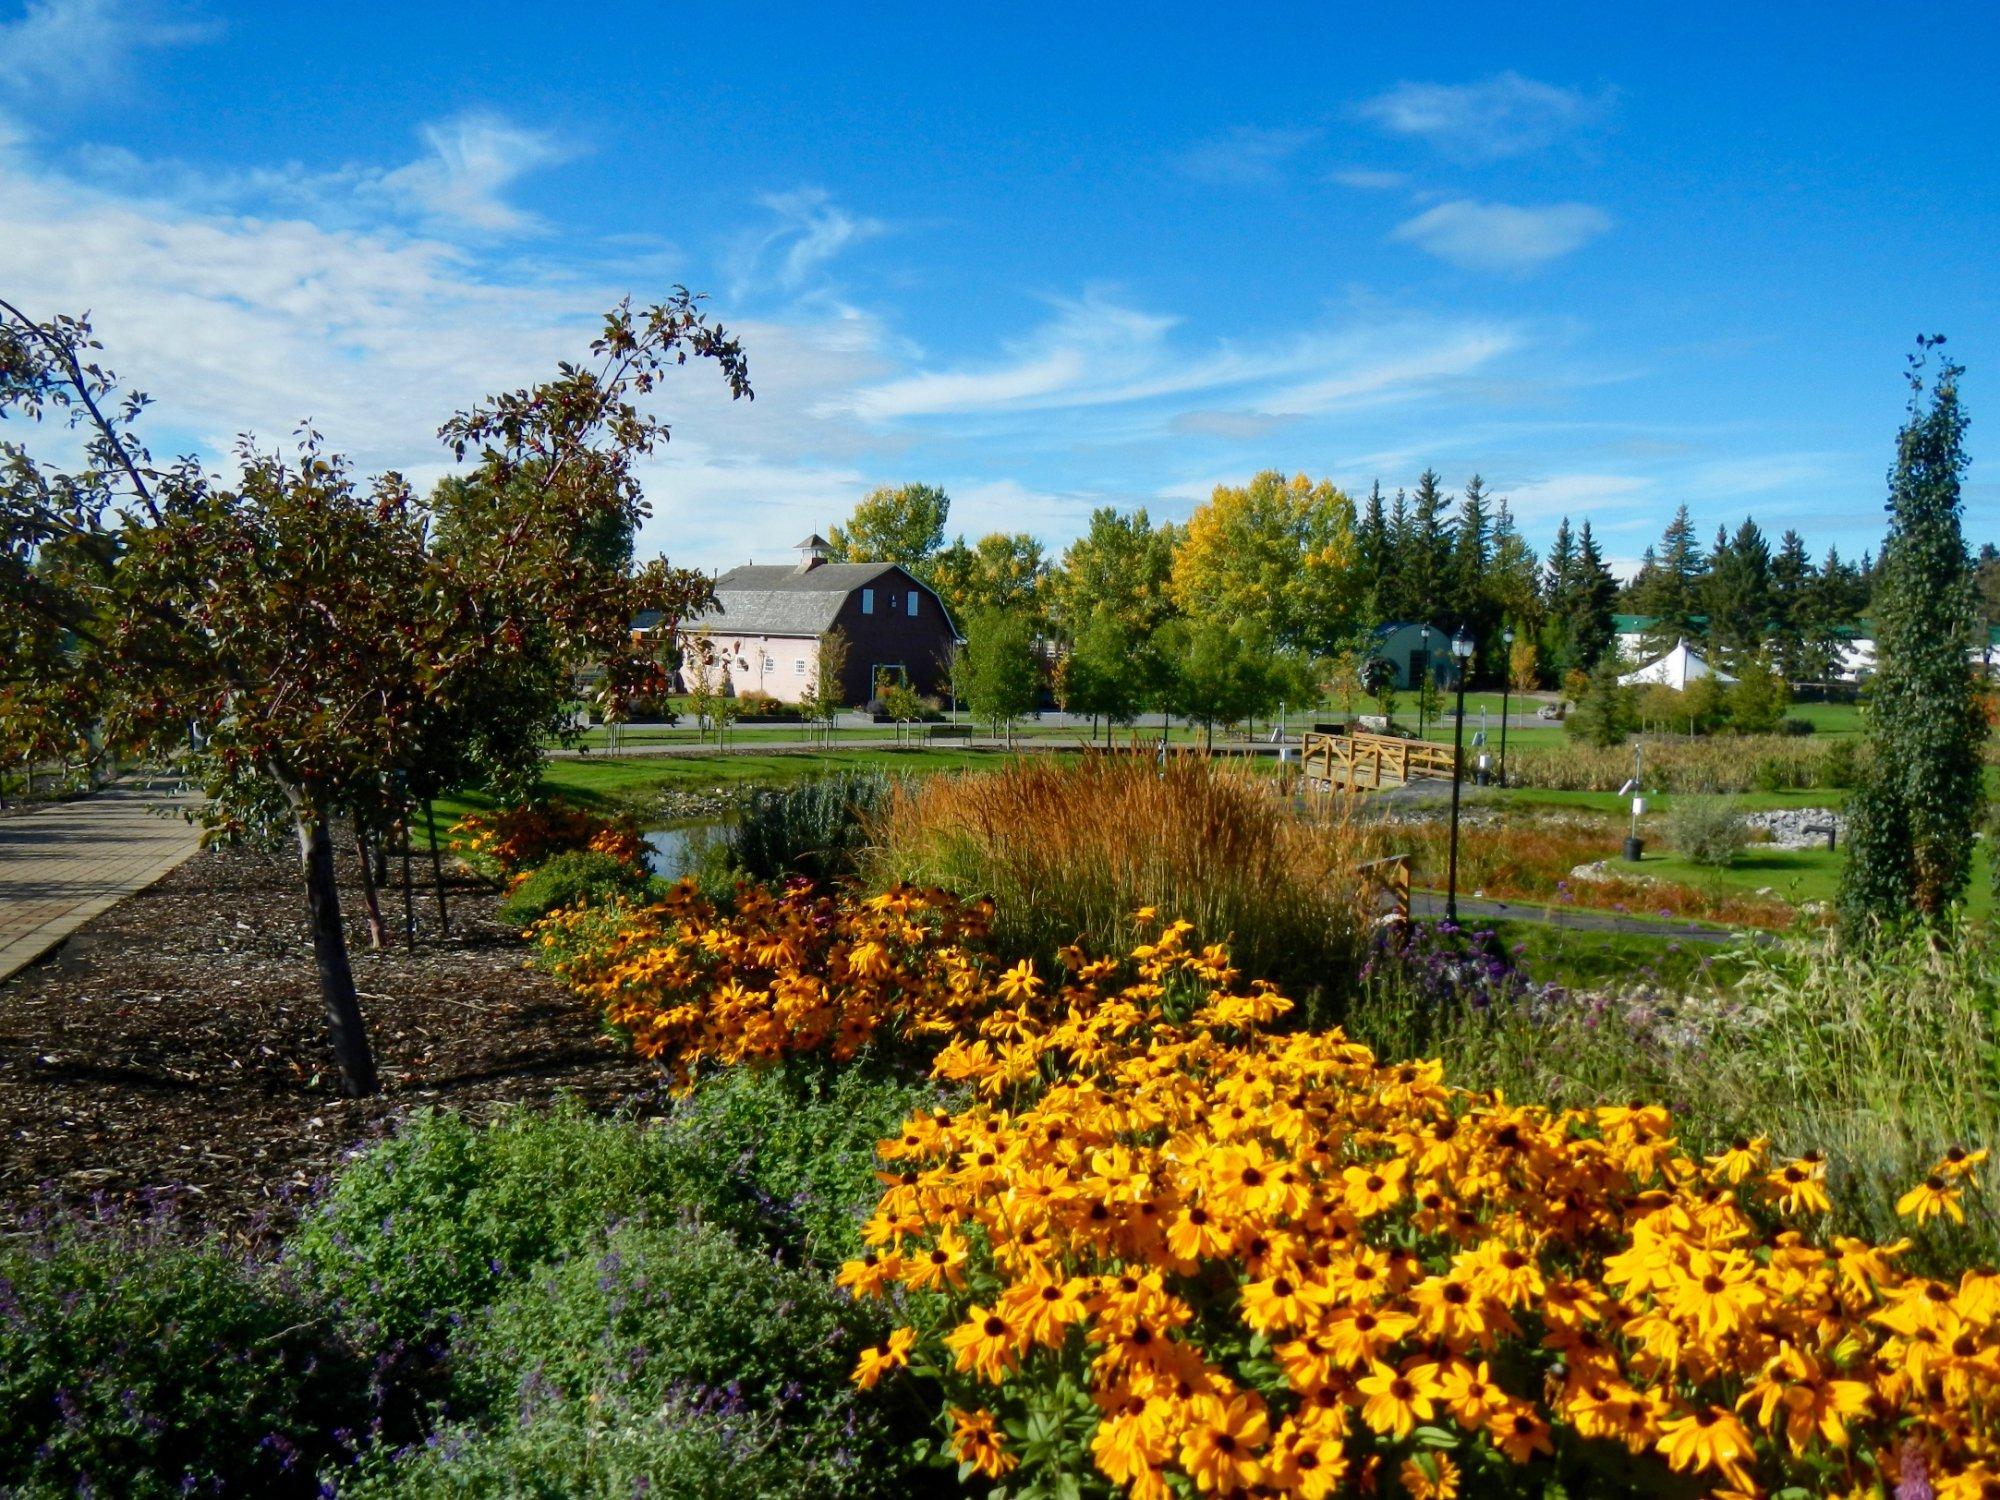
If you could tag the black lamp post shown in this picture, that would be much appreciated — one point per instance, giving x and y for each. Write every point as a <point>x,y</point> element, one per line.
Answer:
<point>1506,684</point>
<point>1461,650</point>
<point>1422,685</point>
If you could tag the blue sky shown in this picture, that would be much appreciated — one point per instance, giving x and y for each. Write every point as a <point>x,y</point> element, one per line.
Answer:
<point>1613,260</point>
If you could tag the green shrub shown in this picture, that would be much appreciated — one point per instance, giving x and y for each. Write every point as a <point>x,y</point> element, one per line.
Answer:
<point>440,1218</point>
<point>785,1156</point>
<point>658,1312</point>
<point>568,1450</point>
<point>1708,830</point>
<point>1794,727</point>
<point>815,828</point>
<point>1841,764</point>
<point>142,1368</point>
<point>578,877</point>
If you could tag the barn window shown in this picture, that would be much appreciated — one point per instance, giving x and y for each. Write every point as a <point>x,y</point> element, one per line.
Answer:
<point>799,667</point>
<point>868,601</point>
<point>913,604</point>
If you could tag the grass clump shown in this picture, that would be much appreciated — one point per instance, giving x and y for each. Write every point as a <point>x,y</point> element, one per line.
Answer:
<point>815,828</point>
<point>1881,1057</point>
<point>1070,851</point>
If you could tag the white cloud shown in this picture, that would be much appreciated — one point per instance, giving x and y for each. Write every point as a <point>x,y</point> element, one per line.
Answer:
<point>808,232</point>
<point>70,49</point>
<point>1502,236</point>
<point>1245,155</point>
<point>1097,352</point>
<point>1505,115</point>
<point>471,161</point>
<point>1577,496</point>
<point>1367,179</point>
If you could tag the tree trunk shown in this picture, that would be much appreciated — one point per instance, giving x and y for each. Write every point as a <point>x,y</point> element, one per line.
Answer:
<point>409,889</point>
<point>437,868</point>
<point>378,935</point>
<point>336,978</point>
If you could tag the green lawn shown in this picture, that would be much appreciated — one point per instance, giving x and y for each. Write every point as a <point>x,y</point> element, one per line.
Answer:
<point>1585,959</point>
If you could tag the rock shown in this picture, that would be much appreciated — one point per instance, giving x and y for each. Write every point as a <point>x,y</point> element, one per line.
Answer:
<point>1787,826</point>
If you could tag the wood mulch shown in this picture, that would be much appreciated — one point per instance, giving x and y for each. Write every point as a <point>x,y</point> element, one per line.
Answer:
<point>175,1048</point>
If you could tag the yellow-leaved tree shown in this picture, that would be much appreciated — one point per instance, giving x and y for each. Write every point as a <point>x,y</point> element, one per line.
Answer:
<point>1278,553</point>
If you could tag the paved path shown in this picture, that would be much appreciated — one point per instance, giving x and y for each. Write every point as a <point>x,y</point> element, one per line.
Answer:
<point>62,865</point>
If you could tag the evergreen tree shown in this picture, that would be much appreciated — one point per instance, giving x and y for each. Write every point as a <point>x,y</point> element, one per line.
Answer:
<point>1603,716</point>
<point>1393,595</point>
<point>1558,584</point>
<point>1912,817</point>
<point>1374,556</point>
<point>1671,588</point>
<point>1791,588</point>
<point>1594,597</point>
<point>1738,596</point>
<point>1426,559</point>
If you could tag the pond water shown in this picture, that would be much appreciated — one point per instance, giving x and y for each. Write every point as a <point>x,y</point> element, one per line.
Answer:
<point>680,848</point>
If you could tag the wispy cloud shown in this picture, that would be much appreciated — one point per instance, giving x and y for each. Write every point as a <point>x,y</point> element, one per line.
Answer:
<point>1502,236</point>
<point>1246,155</point>
<point>1505,115</point>
<point>1098,352</point>
<point>469,163</point>
<point>65,50</point>
<point>1367,179</point>
<point>808,230</point>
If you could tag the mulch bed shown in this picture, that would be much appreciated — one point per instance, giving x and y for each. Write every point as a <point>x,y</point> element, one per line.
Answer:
<point>175,1048</point>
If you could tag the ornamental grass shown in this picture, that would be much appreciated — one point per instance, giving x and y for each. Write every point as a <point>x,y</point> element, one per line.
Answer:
<point>1673,763</point>
<point>1067,851</point>
<point>1165,1246</point>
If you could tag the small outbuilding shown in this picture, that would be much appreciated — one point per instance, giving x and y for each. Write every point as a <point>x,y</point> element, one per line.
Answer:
<point>1676,670</point>
<point>1411,647</point>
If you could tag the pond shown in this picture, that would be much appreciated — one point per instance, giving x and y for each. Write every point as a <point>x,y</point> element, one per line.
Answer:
<point>682,848</point>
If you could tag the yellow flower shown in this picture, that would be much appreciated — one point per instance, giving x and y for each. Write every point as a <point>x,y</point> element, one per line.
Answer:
<point>1399,1399</point>
<point>1707,1439</point>
<point>1020,982</point>
<point>1931,1197</point>
<point>1219,1449</point>
<point>894,1355</point>
<point>1429,1476</point>
<point>985,1343</point>
<point>976,1439</point>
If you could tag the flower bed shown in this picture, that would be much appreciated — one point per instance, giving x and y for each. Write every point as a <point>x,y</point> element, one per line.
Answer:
<point>513,841</point>
<point>1167,1245</point>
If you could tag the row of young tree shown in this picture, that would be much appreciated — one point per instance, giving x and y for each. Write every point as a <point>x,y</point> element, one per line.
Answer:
<point>304,645</point>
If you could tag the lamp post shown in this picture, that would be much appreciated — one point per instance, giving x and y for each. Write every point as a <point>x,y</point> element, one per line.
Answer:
<point>1423,693</point>
<point>1461,650</point>
<point>1506,685</point>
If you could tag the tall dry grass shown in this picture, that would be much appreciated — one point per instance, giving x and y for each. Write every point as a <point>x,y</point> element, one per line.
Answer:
<point>1071,850</point>
<point>1722,763</point>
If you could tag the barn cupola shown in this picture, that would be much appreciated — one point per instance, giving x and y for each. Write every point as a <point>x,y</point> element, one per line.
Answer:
<point>812,552</point>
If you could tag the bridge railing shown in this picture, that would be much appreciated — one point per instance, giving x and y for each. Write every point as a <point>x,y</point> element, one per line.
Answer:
<point>1369,762</point>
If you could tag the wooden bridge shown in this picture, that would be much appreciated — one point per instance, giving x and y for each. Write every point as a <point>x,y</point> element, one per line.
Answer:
<point>1370,762</point>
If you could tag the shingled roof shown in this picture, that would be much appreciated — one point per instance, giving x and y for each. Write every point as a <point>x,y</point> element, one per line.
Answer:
<point>787,600</point>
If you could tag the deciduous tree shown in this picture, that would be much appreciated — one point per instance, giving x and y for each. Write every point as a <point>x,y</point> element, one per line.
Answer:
<point>1277,554</point>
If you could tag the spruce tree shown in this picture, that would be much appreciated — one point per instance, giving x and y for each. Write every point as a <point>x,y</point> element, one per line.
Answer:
<point>1671,588</point>
<point>1792,579</point>
<point>1593,597</point>
<point>1739,596</point>
<point>1921,795</point>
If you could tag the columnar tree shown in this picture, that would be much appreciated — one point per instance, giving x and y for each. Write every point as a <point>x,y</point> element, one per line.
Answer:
<point>1920,800</point>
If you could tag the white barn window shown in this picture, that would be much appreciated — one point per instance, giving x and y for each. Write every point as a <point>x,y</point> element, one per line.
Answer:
<point>799,667</point>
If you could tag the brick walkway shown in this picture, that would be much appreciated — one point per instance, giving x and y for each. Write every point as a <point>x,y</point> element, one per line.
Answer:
<point>63,865</point>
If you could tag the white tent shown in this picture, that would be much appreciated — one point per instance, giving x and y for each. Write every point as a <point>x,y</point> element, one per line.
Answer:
<point>1676,669</point>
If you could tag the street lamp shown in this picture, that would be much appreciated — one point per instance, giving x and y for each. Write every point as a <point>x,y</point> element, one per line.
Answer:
<point>1423,695</point>
<point>1461,649</point>
<point>1506,683</point>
